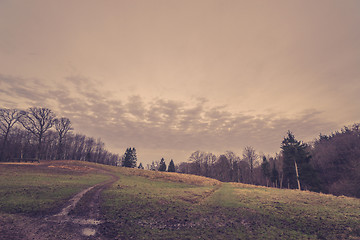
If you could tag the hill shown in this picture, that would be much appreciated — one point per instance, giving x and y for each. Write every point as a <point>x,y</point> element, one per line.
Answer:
<point>81,200</point>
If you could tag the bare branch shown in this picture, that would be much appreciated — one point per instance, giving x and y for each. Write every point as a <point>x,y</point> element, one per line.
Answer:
<point>37,121</point>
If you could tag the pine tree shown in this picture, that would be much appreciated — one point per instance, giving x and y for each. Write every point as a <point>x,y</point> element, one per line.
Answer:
<point>140,166</point>
<point>152,166</point>
<point>171,167</point>
<point>133,157</point>
<point>292,149</point>
<point>162,166</point>
<point>296,166</point>
<point>130,158</point>
<point>127,158</point>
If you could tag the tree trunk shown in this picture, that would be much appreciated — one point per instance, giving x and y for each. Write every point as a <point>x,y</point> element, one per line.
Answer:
<point>39,148</point>
<point>2,158</point>
<point>297,175</point>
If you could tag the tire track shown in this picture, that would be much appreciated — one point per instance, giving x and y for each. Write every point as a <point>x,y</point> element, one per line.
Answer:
<point>73,221</point>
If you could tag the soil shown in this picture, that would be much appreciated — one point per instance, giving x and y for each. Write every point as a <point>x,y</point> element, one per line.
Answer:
<point>79,219</point>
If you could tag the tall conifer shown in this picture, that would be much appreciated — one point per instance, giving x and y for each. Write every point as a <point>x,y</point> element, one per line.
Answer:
<point>162,166</point>
<point>171,167</point>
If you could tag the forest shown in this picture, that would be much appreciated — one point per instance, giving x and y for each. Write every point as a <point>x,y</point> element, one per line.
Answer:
<point>330,164</point>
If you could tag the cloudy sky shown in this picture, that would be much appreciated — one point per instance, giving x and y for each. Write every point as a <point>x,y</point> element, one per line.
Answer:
<point>172,77</point>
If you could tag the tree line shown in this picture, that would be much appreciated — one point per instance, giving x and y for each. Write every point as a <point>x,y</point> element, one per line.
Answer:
<point>331,164</point>
<point>161,166</point>
<point>38,133</point>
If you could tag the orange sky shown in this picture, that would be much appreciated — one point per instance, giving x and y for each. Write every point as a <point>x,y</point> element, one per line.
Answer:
<point>172,77</point>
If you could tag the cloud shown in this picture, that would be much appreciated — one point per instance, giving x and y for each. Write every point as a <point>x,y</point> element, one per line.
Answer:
<point>32,91</point>
<point>161,123</point>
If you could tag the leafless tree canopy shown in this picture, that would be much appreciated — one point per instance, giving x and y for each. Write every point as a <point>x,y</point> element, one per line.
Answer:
<point>62,126</point>
<point>35,126</point>
<point>251,157</point>
<point>38,121</point>
<point>8,118</point>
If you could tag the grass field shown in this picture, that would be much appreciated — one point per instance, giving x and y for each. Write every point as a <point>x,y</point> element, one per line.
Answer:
<point>153,205</point>
<point>196,208</point>
<point>34,189</point>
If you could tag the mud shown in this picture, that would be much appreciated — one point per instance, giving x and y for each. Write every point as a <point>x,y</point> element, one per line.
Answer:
<point>74,221</point>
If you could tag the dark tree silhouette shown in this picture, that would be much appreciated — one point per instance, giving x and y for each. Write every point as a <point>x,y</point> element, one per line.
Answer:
<point>336,158</point>
<point>38,121</point>
<point>296,164</point>
<point>152,167</point>
<point>251,157</point>
<point>291,149</point>
<point>223,168</point>
<point>130,158</point>
<point>8,118</point>
<point>162,166</point>
<point>265,167</point>
<point>274,176</point>
<point>62,126</point>
<point>171,167</point>
<point>22,141</point>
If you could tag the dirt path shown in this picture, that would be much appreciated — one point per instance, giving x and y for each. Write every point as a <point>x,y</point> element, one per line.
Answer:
<point>79,219</point>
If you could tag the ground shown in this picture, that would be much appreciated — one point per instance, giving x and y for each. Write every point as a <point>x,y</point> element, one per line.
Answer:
<point>74,220</point>
<point>78,200</point>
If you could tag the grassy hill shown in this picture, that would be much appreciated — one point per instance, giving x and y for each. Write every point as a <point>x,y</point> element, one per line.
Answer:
<point>154,205</point>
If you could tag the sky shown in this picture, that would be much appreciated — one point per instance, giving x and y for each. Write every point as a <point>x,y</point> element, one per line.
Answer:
<point>172,77</point>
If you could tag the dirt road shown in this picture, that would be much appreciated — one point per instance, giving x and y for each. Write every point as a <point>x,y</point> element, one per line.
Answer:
<point>79,219</point>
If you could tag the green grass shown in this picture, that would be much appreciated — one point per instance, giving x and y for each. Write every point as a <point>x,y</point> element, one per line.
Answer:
<point>159,208</point>
<point>153,205</point>
<point>136,207</point>
<point>37,189</point>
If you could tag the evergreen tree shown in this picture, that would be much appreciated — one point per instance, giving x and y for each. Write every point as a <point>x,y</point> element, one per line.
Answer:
<point>127,158</point>
<point>130,158</point>
<point>133,157</point>
<point>152,166</point>
<point>140,166</point>
<point>290,149</point>
<point>162,166</point>
<point>171,167</point>
<point>296,166</point>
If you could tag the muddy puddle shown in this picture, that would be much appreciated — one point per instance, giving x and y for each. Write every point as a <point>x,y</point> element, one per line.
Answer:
<point>88,232</point>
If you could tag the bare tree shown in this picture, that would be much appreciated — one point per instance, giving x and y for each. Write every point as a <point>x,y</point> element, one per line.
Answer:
<point>200,163</point>
<point>62,126</point>
<point>8,118</point>
<point>251,157</point>
<point>99,151</point>
<point>222,169</point>
<point>196,160</point>
<point>38,121</point>
<point>89,150</point>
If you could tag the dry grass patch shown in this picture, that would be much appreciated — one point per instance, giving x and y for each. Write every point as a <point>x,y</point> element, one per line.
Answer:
<point>73,168</point>
<point>166,176</point>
